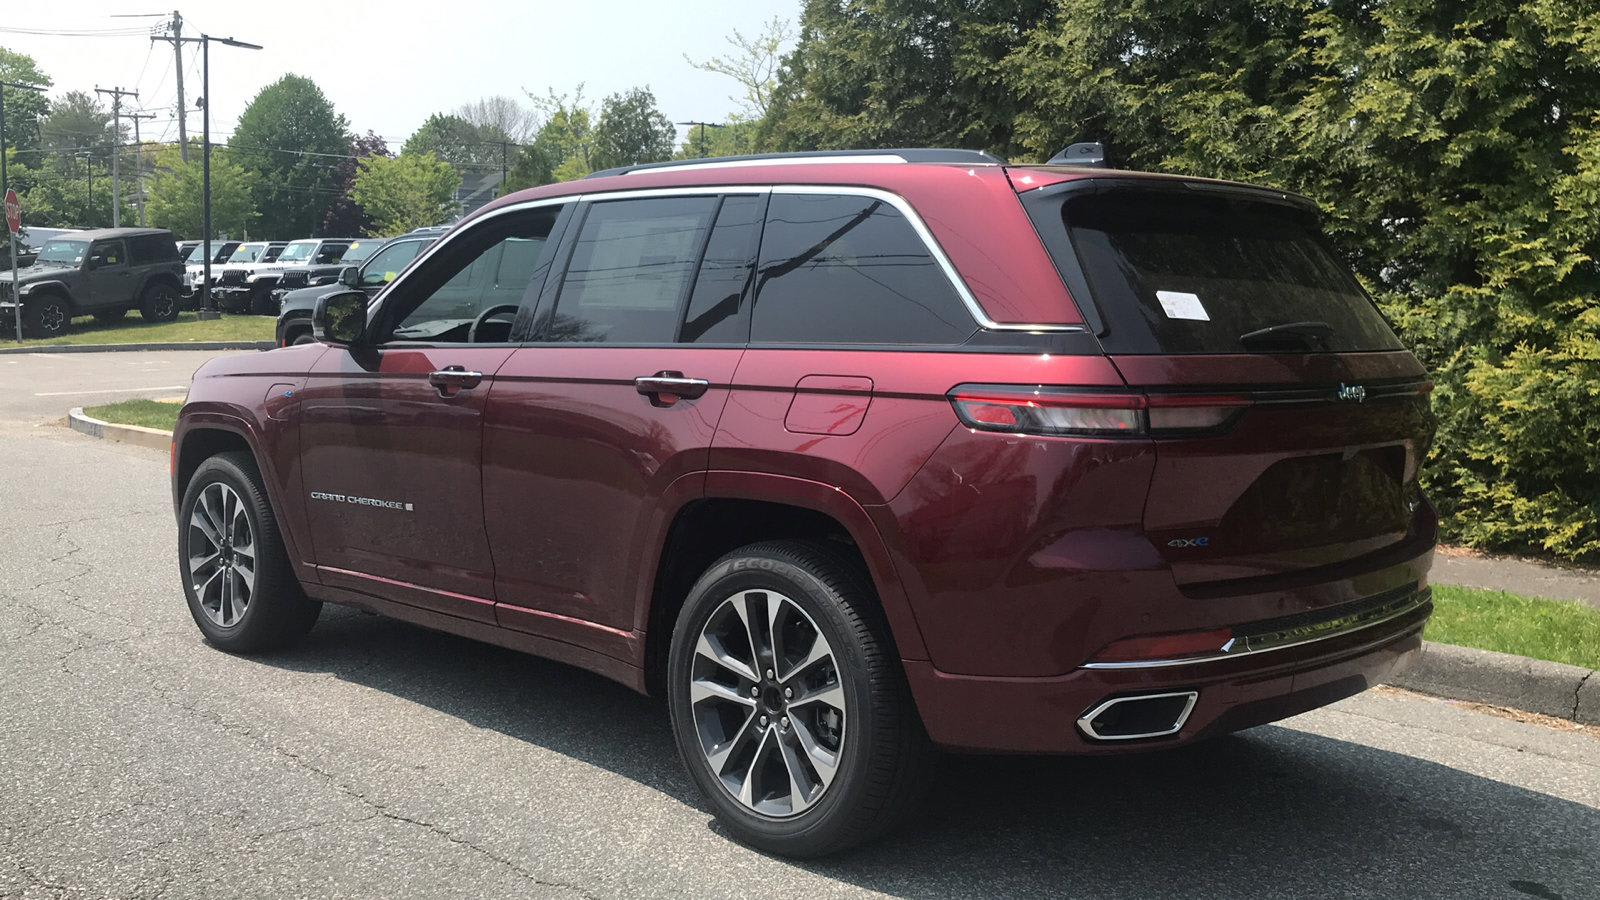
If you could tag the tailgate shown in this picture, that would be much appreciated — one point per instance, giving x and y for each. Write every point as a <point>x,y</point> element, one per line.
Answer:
<point>1318,468</point>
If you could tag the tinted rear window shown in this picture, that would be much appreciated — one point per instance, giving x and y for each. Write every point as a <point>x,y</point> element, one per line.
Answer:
<point>1175,273</point>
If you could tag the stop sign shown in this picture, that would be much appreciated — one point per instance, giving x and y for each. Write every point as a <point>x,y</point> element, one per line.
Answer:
<point>13,212</point>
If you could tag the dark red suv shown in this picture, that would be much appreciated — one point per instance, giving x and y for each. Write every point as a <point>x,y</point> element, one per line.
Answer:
<point>847,456</point>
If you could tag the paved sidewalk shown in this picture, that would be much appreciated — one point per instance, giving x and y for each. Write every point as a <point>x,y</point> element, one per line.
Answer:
<point>1517,576</point>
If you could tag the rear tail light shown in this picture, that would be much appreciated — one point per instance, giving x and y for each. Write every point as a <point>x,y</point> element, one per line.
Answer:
<point>1066,411</point>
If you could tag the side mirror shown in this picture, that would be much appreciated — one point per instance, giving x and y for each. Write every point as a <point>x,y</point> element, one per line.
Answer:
<point>340,318</point>
<point>350,276</point>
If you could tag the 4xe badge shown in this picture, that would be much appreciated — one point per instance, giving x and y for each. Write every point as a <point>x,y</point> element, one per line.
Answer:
<point>1352,392</point>
<point>1187,543</point>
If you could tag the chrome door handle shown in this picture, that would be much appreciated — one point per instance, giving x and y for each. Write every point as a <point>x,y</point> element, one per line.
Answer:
<point>454,378</point>
<point>671,383</point>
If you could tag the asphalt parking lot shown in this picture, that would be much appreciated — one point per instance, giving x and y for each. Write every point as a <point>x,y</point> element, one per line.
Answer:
<point>382,760</point>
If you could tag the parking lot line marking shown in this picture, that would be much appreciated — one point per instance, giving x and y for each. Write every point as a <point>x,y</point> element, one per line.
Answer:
<point>164,387</point>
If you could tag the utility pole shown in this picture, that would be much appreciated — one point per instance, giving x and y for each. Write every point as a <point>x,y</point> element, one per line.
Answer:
<point>117,93</point>
<point>503,147</point>
<point>138,163</point>
<point>5,185</point>
<point>207,311</point>
<point>177,40</point>
<point>703,126</point>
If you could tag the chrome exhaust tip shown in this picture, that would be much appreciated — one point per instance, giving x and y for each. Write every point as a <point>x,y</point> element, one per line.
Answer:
<point>1138,717</point>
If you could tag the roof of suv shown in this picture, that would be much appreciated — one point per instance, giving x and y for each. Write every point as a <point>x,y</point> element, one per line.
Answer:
<point>107,233</point>
<point>992,245</point>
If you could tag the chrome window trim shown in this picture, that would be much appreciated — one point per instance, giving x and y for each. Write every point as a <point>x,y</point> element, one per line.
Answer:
<point>1336,628</point>
<point>895,200</point>
<point>1086,721</point>
<point>872,159</point>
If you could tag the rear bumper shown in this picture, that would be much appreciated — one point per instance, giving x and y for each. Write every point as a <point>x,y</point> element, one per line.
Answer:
<point>1041,715</point>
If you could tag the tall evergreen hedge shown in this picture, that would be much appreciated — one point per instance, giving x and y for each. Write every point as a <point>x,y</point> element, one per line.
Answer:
<point>1454,146</point>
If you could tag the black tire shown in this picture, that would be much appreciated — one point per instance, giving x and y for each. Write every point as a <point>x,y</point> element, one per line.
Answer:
<point>261,302</point>
<point>882,766</point>
<point>107,316</point>
<point>46,316</point>
<point>304,337</point>
<point>277,612</point>
<point>159,303</point>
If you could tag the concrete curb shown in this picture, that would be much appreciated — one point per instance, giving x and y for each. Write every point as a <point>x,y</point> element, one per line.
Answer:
<point>153,438</point>
<point>120,348</point>
<point>1501,679</point>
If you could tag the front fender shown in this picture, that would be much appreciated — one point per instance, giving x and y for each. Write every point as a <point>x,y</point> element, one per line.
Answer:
<point>274,443</point>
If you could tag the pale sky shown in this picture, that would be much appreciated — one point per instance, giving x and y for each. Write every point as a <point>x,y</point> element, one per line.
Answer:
<point>387,65</point>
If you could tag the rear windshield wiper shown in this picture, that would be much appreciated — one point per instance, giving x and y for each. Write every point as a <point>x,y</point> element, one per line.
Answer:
<point>1308,335</point>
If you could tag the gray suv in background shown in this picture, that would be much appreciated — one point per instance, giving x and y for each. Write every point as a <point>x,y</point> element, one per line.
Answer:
<point>105,273</point>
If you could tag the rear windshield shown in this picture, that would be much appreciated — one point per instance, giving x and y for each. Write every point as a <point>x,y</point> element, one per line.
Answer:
<point>1172,272</point>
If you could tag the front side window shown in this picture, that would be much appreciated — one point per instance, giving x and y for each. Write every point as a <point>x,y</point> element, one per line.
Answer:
<point>110,253</point>
<point>632,266</point>
<point>272,253</point>
<point>329,254</point>
<point>389,262</point>
<point>848,269</point>
<point>472,288</point>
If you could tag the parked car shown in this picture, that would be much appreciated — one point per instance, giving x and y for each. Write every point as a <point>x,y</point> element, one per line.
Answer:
<point>230,288</point>
<point>185,248</point>
<point>372,276</point>
<point>298,256</point>
<point>25,257</point>
<point>847,456</point>
<point>104,272</point>
<point>328,272</point>
<point>195,263</point>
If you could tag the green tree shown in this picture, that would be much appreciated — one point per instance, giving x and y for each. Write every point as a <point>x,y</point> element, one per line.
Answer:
<point>292,139</point>
<point>24,109</point>
<point>458,142</point>
<point>632,130</point>
<point>753,64</point>
<point>563,147</point>
<point>407,191</point>
<point>78,125</point>
<point>176,193</point>
<point>897,73</point>
<point>58,194</point>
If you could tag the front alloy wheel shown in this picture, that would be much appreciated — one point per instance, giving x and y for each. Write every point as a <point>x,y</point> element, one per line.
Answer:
<point>237,579</point>
<point>222,555</point>
<point>768,706</point>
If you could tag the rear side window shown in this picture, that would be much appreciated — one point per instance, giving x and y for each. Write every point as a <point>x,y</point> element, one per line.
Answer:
<point>718,305</point>
<point>632,266</point>
<point>152,248</point>
<point>848,269</point>
<point>1175,273</point>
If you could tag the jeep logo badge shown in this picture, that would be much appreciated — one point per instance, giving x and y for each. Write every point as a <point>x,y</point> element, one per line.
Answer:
<point>1353,392</point>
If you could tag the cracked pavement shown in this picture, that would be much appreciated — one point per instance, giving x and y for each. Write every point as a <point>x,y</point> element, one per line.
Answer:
<point>382,760</point>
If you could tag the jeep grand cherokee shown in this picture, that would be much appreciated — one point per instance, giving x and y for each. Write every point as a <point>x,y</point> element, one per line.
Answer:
<point>848,457</point>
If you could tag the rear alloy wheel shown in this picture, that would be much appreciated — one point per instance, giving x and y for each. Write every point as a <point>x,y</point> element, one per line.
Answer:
<point>240,588</point>
<point>47,316</point>
<point>788,703</point>
<point>159,303</point>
